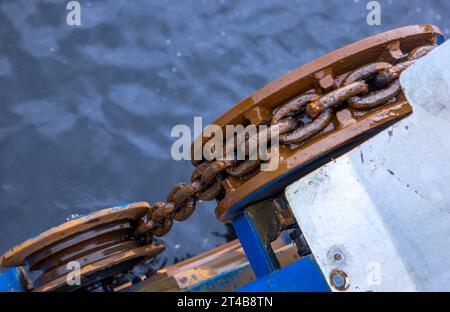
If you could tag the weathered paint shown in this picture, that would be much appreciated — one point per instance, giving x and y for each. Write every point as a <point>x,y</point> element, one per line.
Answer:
<point>259,254</point>
<point>227,281</point>
<point>10,281</point>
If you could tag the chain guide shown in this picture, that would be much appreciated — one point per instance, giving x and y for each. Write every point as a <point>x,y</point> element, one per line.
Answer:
<point>104,245</point>
<point>322,109</point>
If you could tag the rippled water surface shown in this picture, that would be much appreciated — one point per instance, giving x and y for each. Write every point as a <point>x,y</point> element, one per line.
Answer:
<point>86,112</point>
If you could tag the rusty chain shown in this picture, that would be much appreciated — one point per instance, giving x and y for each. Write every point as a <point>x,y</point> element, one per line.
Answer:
<point>365,88</point>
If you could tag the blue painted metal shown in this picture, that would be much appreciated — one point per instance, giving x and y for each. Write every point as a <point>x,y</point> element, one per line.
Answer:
<point>10,281</point>
<point>303,275</point>
<point>258,254</point>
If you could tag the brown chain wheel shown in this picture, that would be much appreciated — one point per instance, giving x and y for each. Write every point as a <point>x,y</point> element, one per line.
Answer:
<point>365,88</point>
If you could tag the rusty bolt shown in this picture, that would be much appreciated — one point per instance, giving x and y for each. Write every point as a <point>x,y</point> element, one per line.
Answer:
<point>339,279</point>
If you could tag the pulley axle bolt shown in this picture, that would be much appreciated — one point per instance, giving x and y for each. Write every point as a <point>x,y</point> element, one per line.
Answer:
<point>339,279</point>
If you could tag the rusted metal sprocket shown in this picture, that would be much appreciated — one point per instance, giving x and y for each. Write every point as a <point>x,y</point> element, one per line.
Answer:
<point>346,96</point>
<point>101,246</point>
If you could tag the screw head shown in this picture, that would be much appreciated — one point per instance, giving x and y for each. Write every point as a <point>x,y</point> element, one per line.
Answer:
<point>337,256</point>
<point>339,280</point>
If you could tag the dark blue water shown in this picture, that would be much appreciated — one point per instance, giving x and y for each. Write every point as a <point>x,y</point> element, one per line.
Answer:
<point>86,112</point>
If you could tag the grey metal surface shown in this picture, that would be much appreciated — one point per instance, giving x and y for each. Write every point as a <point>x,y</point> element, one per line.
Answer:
<point>381,213</point>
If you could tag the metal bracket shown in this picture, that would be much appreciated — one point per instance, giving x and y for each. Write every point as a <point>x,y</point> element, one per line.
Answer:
<point>302,276</point>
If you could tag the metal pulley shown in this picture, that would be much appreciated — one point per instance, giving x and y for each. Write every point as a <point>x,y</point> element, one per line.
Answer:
<point>322,110</point>
<point>100,247</point>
